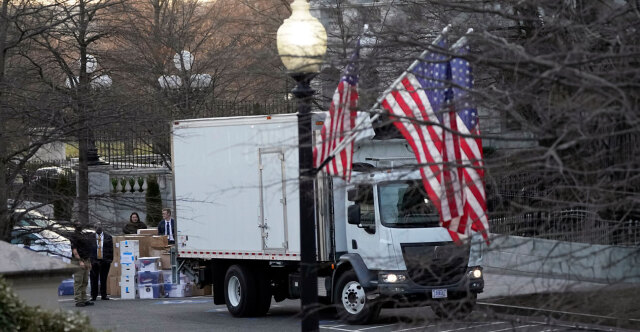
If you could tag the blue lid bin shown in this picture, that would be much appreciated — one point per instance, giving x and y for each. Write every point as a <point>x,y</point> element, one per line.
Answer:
<point>66,287</point>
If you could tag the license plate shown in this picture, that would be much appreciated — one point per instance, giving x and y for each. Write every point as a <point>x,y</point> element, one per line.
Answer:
<point>438,293</point>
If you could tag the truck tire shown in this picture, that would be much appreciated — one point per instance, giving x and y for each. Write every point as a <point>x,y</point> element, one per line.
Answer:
<point>455,308</point>
<point>263,297</point>
<point>240,291</point>
<point>351,301</point>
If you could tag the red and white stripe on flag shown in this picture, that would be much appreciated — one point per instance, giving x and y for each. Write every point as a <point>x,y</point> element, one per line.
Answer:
<point>467,125</point>
<point>409,109</point>
<point>340,123</point>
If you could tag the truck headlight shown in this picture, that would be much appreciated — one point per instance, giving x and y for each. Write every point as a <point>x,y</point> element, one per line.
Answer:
<point>392,277</point>
<point>475,273</point>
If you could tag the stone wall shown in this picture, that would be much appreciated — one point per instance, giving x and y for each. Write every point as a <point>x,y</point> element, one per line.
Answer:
<point>570,260</point>
<point>111,206</point>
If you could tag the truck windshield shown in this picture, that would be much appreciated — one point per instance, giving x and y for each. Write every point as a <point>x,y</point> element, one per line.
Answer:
<point>405,204</point>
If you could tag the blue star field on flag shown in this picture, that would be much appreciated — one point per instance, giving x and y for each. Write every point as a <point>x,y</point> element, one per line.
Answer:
<point>462,82</point>
<point>432,75</point>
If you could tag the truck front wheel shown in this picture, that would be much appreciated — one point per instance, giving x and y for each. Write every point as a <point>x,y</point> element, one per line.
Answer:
<point>351,301</point>
<point>240,291</point>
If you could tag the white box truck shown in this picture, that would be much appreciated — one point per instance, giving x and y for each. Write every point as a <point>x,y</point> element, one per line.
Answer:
<point>378,239</point>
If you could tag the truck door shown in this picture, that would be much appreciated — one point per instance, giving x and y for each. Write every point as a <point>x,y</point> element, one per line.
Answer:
<point>273,200</point>
<point>368,239</point>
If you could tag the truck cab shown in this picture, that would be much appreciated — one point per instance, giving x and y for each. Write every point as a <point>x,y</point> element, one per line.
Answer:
<point>395,251</point>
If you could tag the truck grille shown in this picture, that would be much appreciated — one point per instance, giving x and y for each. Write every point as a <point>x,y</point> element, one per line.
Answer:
<point>435,263</point>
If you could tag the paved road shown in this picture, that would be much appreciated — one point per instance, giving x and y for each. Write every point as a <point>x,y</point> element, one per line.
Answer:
<point>200,314</point>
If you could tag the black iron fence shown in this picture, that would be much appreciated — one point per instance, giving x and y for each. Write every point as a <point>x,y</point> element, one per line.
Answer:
<point>125,148</point>
<point>520,205</point>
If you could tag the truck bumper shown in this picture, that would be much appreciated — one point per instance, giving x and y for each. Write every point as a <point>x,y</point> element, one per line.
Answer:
<point>412,292</point>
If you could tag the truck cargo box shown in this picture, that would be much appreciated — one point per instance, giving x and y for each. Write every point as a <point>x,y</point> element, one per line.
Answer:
<point>236,187</point>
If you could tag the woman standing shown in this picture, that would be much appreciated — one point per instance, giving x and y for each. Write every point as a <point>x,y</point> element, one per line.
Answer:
<point>134,224</point>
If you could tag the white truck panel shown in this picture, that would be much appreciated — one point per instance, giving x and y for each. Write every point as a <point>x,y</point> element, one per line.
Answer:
<point>217,184</point>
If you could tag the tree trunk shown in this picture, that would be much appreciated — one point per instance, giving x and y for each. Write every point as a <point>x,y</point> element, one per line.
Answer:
<point>5,223</point>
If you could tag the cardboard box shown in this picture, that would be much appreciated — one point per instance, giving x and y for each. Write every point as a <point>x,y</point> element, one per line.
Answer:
<point>207,290</point>
<point>148,231</point>
<point>156,252</point>
<point>150,291</point>
<point>151,264</point>
<point>165,261</point>
<point>159,241</point>
<point>142,240</point>
<point>114,269</point>
<point>113,286</point>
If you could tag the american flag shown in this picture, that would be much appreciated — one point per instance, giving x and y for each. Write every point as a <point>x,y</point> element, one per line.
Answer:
<point>338,126</point>
<point>475,202</point>
<point>420,107</point>
<point>414,105</point>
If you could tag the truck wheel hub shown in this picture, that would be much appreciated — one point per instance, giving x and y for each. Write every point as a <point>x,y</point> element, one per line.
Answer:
<point>353,297</point>
<point>234,292</point>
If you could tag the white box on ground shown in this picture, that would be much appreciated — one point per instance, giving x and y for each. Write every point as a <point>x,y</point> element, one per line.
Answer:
<point>128,270</point>
<point>149,264</point>
<point>129,244</point>
<point>128,257</point>
<point>150,291</point>
<point>181,290</point>
<point>128,292</point>
<point>128,279</point>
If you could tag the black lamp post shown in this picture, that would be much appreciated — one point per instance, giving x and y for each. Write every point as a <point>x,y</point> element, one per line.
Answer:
<point>302,43</point>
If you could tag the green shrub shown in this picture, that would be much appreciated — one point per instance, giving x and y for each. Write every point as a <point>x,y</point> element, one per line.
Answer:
<point>154,202</point>
<point>17,316</point>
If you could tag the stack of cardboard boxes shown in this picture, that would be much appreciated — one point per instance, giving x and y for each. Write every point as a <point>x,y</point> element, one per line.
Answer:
<point>123,276</point>
<point>141,268</point>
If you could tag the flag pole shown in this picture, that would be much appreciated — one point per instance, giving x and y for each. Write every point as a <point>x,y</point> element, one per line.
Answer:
<point>373,108</point>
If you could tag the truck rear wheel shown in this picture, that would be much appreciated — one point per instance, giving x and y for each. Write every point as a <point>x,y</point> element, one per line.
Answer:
<point>240,291</point>
<point>351,301</point>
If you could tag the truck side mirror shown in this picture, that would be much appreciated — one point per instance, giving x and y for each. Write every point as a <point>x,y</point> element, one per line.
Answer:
<point>352,194</point>
<point>353,214</point>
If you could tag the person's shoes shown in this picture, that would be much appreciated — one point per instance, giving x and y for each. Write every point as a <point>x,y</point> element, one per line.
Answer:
<point>93,299</point>
<point>89,303</point>
<point>105,298</point>
<point>81,304</point>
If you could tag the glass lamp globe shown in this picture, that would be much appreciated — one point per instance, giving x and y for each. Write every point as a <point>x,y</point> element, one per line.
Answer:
<point>302,40</point>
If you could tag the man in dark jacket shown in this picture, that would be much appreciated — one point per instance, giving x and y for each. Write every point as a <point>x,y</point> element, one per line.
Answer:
<point>167,226</point>
<point>82,249</point>
<point>101,263</point>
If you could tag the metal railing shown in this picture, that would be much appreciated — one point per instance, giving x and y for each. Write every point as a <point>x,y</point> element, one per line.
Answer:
<point>136,149</point>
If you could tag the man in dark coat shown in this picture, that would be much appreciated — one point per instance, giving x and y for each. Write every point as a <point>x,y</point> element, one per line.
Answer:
<point>82,248</point>
<point>101,263</point>
<point>167,226</point>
